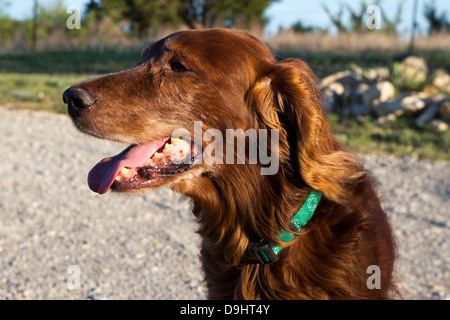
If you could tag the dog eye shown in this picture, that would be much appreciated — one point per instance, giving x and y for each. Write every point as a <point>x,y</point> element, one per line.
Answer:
<point>177,66</point>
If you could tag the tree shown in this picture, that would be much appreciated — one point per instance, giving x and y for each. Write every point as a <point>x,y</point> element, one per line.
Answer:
<point>223,13</point>
<point>96,9</point>
<point>390,25</point>
<point>336,18</point>
<point>437,23</point>
<point>50,18</point>
<point>142,14</point>
<point>300,27</point>
<point>4,4</point>
<point>8,26</point>
<point>148,14</point>
<point>357,22</point>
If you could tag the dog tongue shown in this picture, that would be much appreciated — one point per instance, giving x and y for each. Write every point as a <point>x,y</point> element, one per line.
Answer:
<point>103,174</point>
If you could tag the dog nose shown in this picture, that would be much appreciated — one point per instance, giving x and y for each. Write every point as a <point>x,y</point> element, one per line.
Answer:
<point>77,99</point>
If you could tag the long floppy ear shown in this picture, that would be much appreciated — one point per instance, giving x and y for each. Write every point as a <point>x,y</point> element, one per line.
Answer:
<point>289,99</point>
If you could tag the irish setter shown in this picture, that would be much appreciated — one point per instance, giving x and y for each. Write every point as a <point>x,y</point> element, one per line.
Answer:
<point>211,81</point>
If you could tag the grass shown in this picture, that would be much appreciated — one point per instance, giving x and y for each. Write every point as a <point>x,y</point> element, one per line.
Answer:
<point>400,138</point>
<point>62,62</point>
<point>37,81</point>
<point>36,91</point>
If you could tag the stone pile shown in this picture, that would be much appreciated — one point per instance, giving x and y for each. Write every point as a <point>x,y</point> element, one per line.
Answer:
<point>406,89</point>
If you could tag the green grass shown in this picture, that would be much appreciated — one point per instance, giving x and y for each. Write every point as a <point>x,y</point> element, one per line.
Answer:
<point>61,62</point>
<point>36,91</point>
<point>105,61</point>
<point>37,81</point>
<point>326,63</point>
<point>108,60</point>
<point>399,138</point>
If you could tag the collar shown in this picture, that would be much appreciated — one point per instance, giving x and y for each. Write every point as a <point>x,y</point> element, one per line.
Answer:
<point>266,253</point>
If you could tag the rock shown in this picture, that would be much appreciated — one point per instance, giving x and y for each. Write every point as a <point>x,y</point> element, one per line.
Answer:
<point>348,81</point>
<point>430,90</point>
<point>337,88</point>
<point>359,109</point>
<point>413,69</point>
<point>439,125</point>
<point>371,95</point>
<point>441,81</point>
<point>427,115</point>
<point>356,94</point>
<point>380,97</point>
<point>328,100</point>
<point>361,88</point>
<point>332,95</point>
<point>346,78</point>
<point>444,109</point>
<point>377,74</point>
<point>412,103</point>
<point>387,91</point>
<point>334,77</point>
<point>391,117</point>
<point>385,108</point>
<point>365,91</point>
<point>387,120</point>
<point>437,98</point>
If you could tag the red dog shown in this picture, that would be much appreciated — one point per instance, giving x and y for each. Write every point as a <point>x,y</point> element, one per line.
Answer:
<point>314,229</point>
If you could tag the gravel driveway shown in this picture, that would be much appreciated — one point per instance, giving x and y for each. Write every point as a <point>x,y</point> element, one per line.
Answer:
<point>59,240</point>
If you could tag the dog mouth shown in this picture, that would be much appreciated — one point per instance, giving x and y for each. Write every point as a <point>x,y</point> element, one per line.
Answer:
<point>140,166</point>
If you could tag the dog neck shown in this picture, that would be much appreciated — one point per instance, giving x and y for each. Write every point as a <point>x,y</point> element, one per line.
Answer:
<point>231,215</point>
<point>264,252</point>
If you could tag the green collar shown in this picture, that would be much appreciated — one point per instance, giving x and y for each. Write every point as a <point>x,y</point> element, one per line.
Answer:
<point>266,252</point>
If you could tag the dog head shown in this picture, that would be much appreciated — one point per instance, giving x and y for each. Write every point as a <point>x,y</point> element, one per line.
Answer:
<point>219,79</point>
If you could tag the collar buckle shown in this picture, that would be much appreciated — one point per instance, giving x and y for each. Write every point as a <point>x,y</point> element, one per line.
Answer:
<point>266,253</point>
<point>263,252</point>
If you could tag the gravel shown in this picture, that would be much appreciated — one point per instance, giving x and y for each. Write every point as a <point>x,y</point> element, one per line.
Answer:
<point>59,240</point>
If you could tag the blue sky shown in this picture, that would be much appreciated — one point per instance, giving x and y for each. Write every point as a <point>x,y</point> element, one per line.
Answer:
<point>311,12</point>
<point>285,12</point>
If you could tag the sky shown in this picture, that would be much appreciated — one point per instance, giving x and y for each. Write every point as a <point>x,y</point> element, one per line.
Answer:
<point>311,12</point>
<point>285,12</point>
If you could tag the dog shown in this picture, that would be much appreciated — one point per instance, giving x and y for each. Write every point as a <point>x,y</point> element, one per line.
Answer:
<point>257,243</point>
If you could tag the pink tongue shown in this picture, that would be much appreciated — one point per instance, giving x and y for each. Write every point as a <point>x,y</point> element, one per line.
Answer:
<point>102,175</point>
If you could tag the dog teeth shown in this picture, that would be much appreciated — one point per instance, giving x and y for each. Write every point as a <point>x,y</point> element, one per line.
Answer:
<point>167,147</point>
<point>176,140</point>
<point>125,173</point>
<point>124,170</point>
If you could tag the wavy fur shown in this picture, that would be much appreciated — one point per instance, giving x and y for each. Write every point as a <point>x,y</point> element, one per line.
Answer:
<point>232,81</point>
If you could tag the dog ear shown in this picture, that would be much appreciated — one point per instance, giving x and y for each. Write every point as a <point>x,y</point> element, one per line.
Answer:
<point>289,99</point>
